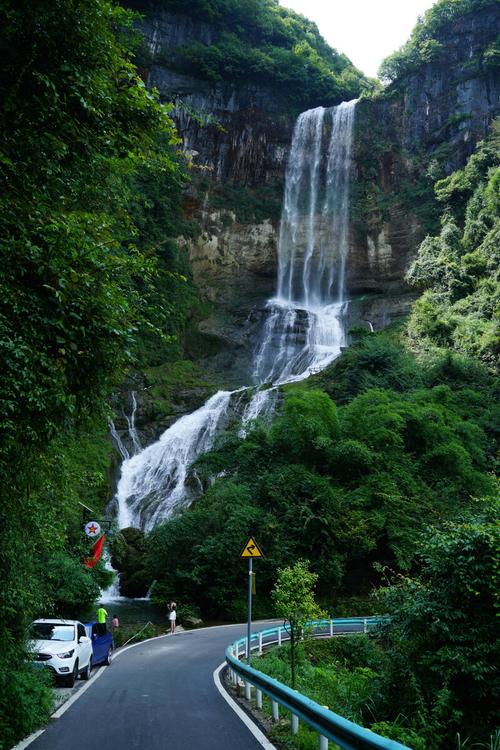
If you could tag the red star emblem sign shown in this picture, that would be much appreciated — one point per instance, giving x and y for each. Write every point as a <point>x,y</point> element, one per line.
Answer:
<point>92,529</point>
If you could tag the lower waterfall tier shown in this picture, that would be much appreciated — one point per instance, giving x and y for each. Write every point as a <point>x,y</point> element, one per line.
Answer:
<point>297,342</point>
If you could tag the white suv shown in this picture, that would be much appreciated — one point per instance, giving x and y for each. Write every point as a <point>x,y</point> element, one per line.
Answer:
<point>64,647</point>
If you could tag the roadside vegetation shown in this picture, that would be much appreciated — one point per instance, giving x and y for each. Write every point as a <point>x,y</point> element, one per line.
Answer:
<point>383,465</point>
<point>427,678</point>
<point>86,259</point>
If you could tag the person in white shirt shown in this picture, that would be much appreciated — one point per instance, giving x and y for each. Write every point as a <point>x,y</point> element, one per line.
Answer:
<point>172,616</point>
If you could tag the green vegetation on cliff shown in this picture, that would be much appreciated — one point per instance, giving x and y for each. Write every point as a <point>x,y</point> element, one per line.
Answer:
<point>260,42</point>
<point>409,443</point>
<point>424,45</point>
<point>459,268</point>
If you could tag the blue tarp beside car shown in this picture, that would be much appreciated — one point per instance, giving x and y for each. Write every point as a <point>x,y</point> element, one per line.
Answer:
<point>102,645</point>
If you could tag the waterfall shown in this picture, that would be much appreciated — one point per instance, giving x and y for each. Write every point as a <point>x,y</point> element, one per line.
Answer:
<point>132,432</point>
<point>112,593</point>
<point>303,330</point>
<point>262,405</point>
<point>118,441</point>
<point>152,483</point>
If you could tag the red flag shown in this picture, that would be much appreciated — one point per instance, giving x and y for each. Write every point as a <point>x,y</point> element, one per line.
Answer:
<point>91,561</point>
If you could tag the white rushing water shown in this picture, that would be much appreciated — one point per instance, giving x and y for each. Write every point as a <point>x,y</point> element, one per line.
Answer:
<point>152,483</point>
<point>303,330</point>
<point>131,429</point>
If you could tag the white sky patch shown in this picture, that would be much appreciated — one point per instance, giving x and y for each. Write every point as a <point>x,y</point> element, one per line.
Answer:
<point>364,30</point>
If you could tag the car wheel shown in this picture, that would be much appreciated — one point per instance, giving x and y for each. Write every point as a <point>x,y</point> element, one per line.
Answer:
<point>71,680</point>
<point>109,656</point>
<point>87,671</point>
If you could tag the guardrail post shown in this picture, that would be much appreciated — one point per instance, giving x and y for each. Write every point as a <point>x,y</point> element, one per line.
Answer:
<point>295,724</point>
<point>323,742</point>
<point>279,635</point>
<point>260,643</point>
<point>276,710</point>
<point>258,698</point>
<point>331,628</point>
<point>248,691</point>
<point>365,626</point>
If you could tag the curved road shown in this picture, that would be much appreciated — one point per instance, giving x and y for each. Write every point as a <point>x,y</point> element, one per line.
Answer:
<point>159,695</point>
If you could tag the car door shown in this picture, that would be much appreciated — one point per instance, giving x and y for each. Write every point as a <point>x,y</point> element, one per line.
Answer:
<point>84,646</point>
<point>97,645</point>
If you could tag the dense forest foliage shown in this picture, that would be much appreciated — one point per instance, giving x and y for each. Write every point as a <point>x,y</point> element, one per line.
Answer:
<point>424,45</point>
<point>348,475</point>
<point>459,269</point>
<point>426,679</point>
<point>85,152</point>
<point>260,42</point>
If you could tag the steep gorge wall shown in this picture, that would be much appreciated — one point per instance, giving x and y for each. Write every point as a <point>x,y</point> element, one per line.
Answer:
<point>235,135</point>
<point>238,138</point>
<point>420,129</point>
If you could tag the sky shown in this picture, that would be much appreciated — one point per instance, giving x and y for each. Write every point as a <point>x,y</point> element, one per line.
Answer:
<point>364,30</point>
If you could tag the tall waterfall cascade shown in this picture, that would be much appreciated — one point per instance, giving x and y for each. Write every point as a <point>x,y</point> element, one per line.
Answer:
<point>304,332</point>
<point>303,329</point>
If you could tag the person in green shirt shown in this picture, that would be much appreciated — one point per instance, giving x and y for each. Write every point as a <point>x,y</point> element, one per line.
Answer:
<point>101,620</point>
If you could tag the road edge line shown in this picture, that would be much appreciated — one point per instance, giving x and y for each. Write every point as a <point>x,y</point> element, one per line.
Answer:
<point>28,740</point>
<point>249,723</point>
<point>64,707</point>
<point>67,704</point>
<point>72,699</point>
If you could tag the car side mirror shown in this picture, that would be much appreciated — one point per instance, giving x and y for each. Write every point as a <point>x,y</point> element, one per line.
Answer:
<point>84,639</point>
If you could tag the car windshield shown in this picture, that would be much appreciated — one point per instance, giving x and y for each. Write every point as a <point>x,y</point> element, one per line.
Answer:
<point>52,631</point>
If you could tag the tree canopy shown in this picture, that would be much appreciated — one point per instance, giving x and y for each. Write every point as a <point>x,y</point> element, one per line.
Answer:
<point>79,133</point>
<point>424,45</point>
<point>458,270</point>
<point>261,42</point>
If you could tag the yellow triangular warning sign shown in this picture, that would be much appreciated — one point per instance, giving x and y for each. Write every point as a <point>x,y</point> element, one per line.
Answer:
<point>251,549</point>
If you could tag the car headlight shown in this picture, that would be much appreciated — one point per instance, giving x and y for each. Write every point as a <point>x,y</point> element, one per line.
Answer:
<point>66,654</point>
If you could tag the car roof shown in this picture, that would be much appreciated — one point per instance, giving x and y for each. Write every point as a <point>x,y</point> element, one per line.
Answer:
<point>55,621</point>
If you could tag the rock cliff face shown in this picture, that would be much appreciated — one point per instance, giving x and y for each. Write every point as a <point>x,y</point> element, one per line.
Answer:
<point>417,130</point>
<point>420,129</point>
<point>234,135</point>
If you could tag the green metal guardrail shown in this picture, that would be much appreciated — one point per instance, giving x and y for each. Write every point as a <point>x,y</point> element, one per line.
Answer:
<point>329,725</point>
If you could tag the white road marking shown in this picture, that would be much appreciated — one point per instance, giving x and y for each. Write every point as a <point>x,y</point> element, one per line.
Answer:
<point>60,711</point>
<point>57,714</point>
<point>31,738</point>
<point>247,721</point>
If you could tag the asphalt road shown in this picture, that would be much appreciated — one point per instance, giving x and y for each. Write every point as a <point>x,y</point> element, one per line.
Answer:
<point>159,695</point>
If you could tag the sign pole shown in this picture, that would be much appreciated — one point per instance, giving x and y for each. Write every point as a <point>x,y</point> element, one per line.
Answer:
<point>249,626</point>
<point>250,550</point>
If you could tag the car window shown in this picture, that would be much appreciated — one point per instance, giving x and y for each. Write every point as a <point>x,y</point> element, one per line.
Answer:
<point>52,631</point>
<point>81,630</point>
